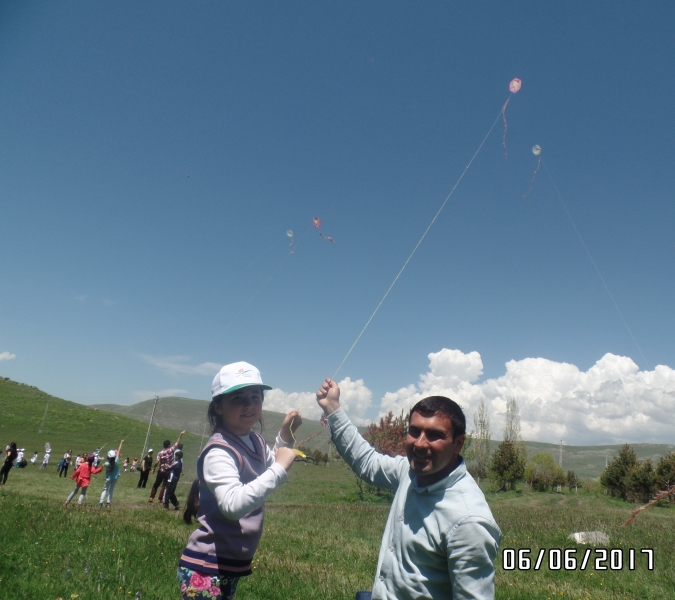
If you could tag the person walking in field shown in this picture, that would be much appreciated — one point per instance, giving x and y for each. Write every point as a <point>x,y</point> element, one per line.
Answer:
<point>441,540</point>
<point>10,456</point>
<point>165,485</point>
<point>112,474</point>
<point>34,459</point>
<point>126,464</point>
<point>174,469</point>
<point>45,460</point>
<point>237,471</point>
<point>164,458</point>
<point>82,477</point>
<point>65,463</point>
<point>146,466</point>
<point>132,468</point>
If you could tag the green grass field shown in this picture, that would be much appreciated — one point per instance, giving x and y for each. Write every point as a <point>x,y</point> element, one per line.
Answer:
<point>319,541</point>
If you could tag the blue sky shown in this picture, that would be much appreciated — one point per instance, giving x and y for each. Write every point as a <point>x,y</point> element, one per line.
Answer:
<point>154,155</point>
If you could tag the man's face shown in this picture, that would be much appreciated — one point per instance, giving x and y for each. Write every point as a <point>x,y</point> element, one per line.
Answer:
<point>430,447</point>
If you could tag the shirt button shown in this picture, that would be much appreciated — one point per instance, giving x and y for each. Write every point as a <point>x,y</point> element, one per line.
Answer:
<point>391,548</point>
<point>400,518</point>
<point>381,577</point>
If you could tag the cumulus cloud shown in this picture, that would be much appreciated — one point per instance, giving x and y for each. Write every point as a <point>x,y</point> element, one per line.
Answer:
<point>7,356</point>
<point>613,402</point>
<point>355,398</point>
<point>140,395</point>
<point>175,365</point>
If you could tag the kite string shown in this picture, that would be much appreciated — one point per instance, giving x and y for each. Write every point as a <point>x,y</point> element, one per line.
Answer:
<point>595,266</point>
<point>420,240</point>
<point>503,113</point>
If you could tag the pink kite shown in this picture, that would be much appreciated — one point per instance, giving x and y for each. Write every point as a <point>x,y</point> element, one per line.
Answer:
<point>514,87</point>
<point>316,222</point>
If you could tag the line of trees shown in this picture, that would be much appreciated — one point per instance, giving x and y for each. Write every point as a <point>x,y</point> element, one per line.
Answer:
<point>628,478</point>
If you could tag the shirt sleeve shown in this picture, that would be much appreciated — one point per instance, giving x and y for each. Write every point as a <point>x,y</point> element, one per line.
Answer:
<point>377,469</point>
<point>236,499</point>
<point>472,549</point>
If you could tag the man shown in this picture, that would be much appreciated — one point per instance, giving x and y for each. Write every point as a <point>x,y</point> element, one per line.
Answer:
<point>164,458</point>
<point>440,540</point>
<point>146,465</point>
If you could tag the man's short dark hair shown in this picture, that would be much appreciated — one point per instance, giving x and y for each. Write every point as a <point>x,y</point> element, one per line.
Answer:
<point>440,404</point>
<point>167,443</point>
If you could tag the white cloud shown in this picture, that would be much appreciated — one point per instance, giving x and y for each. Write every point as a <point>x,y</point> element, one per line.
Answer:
<point>355,398</point>
<point>613,402</point>
<point>7,356</point>
<point>161,393</point>
<point>175,365</point>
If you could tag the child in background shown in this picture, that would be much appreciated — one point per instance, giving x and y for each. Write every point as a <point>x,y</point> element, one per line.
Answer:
<point>32,460</point>
<point>126,463</point>
<point>133,464</point>
<point>45,460</point>
<point>112,474</point>
<point>237,471</point>
<point>82,476</point>
<point>12,453</point>
<point>175,469</point>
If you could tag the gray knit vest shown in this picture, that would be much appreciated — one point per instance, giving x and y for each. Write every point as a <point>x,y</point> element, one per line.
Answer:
<point>222,546</point>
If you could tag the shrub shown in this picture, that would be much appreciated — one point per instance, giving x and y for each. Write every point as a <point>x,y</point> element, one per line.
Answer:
<point>542,472</point>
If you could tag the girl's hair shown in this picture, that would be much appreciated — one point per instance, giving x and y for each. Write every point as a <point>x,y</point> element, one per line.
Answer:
<point>13,445</point>
<point>90,459</point>
<point>214,417</point>
<point>192,503</point>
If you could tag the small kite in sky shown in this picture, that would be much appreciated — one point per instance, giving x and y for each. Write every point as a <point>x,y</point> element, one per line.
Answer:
<point>325,237</point>
<point>514,87</point>
<point>289,233</point>
<point>536,150</point>
<point>316,222</point>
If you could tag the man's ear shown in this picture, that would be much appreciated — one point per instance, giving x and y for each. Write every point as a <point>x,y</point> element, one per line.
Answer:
<point>458,444</point>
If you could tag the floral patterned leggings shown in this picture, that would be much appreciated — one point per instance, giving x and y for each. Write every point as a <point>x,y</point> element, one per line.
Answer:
<point>194,584</point>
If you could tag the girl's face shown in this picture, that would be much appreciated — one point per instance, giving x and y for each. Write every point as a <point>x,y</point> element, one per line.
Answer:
<point>240,410</point>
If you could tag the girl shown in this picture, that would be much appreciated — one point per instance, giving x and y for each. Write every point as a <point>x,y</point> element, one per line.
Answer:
<point>237,471</point>
<point>126,464</point>
<point>112,474</point>
<point>82,475</point>
<point>133,464</point>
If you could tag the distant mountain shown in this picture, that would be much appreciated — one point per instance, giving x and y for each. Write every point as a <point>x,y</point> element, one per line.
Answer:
<point>188,414</point>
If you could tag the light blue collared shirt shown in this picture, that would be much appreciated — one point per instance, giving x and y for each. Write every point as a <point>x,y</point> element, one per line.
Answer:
<point>440,541</point>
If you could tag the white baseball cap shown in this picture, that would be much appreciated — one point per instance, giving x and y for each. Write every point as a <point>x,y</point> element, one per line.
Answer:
<point>234,377</point>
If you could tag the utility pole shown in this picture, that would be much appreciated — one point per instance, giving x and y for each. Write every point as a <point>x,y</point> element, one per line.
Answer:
<point>147,437</point>
<point>562,442</point>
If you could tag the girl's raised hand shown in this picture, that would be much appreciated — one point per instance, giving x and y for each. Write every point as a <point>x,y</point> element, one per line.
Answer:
<point>285,457</point>
<point>328,396</point>
<point>292,421</point>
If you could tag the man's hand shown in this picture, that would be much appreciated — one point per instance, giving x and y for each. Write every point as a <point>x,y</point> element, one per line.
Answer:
<point>328,396</point>
<point>292,421</point>
<point>285,457</point>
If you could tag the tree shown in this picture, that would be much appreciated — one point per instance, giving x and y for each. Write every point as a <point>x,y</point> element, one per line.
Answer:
<point>507,465</point>
<point>665,473</point>
<point>615,475</point>
<point>542,472</point>
<point>389,436</point>
<point>573,481</point>
<point>479,456</point>
<point>508,462</point>
<point>641,482</point>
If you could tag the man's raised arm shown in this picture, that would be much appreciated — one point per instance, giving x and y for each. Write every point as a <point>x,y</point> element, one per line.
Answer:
<point>377,469</point>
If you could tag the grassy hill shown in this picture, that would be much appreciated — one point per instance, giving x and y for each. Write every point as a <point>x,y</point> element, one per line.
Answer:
<point>31,417</point>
